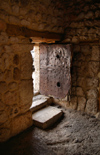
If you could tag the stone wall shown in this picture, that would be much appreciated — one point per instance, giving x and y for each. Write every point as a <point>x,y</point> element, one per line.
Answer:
<point>85,77</point>
<point>82,20</point>
<point>38,15</point>
<point>16,92</point>
<point>82,29</point>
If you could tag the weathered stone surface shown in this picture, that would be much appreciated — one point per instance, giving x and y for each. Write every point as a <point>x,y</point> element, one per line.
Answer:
<point>8,75</point>
<point>95,53</point>
<point>26,92</point>
<point>13,111</point>
<point>3,116</point>
<point>73,103</point>
<point>79,91</point>
<point>92,82</point>
<point>81,103</point>
<point>91,106</point>
<point>98,115</point>
<point>10,98</point>
<point>46,117</point>
<point>26,65</point>
<point>3,87</point>
<point>39,102</point>
<point>13,86</point>
<point>92,93</point>
<point>93,68</point>
<point>20,123</point>
<point>16,74</point>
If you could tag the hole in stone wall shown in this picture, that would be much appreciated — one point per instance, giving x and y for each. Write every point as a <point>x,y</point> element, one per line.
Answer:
<point>58,84</point>
<point>57,56</point>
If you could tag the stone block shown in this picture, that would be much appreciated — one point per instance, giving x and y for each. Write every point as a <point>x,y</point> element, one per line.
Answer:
<point>85,49</point>
<point>91,106</point>
<point>3,87</point>
<point>92,82</point>
<point>13,86</point>
<point>10,98</point>
<point>81,103</point>
<point>73,102</point>
<point>20,123</point>
<point>46,117</point>
<point>92,93</point>
<point>26,92</point>
<point>26,65</point>
<point>93,68</point>
<point>95,53</point>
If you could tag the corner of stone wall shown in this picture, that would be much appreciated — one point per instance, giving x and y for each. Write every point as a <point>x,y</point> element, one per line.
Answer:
<point>16,88</point>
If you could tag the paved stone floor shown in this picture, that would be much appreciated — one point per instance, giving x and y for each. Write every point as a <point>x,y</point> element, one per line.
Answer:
<point>76,134</point>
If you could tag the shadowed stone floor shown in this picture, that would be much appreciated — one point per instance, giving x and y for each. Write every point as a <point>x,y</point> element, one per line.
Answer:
<point>76,134</point>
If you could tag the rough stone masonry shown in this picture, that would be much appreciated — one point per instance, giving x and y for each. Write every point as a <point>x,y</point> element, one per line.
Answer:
<point>79,21</point>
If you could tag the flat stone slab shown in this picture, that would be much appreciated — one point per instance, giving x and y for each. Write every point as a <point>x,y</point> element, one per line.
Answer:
<point>39,102</point>
<point>46,117</point>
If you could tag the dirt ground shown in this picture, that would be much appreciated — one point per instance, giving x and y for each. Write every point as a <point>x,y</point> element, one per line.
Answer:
<point>76,134</point>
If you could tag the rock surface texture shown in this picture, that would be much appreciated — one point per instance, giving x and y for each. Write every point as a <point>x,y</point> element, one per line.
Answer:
<point>79,22</point>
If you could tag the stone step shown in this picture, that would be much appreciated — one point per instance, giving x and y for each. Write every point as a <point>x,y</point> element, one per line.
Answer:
<point>39,102</point>
<point>46,117</point>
